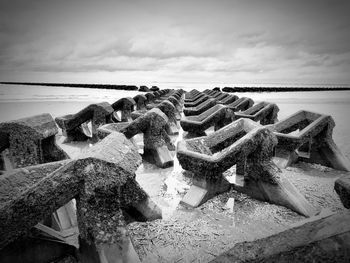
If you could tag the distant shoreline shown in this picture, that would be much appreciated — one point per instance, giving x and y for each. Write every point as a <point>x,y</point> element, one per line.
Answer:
<point>281,89</point>
<point>225,89</point>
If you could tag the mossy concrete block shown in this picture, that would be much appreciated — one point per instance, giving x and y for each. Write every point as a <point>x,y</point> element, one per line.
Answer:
<point>199,100</point>
<point>125,106</point>
<point>28,195</point>
<point>311,139</point>
<point>342,187</point>
<point>71,125</point>
<point>243,142</point>
<point>140,100</point>
<point>227,100</point>
<point>263,112</point>
<point>241,104</point>
<point>200,108</point>
<point>31,140</point>
<point>217,116</point>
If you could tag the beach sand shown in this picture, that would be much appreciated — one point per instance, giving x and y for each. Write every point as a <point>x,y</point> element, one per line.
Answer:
<point>198,235</point>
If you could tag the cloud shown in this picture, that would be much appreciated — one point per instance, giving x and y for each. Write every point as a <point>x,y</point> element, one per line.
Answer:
<point>265,39</point>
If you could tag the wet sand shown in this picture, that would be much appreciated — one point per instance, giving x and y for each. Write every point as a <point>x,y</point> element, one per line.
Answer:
<point>198,235</point>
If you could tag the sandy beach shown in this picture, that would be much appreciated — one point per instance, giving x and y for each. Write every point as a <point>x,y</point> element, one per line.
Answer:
<point>198,235</point>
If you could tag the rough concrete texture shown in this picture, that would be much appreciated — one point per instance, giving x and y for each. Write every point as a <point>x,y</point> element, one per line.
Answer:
<point>28,196</point>
<point>31,140</point>
<point>200,108</point>
<point>150,97</point>
<point>140,101</point>
<point>342,187</point>
<point>322,240</point>
<point>221,96</point>
<point>71,125</point>
<point>217,116</point>
<point>243,141</point>
<point>196,102</point>
<point>176,103</point>
<point>262,112</point>
<point>217,152</point>
<point>152,125</point>
<point>102,180</point>
<point>312,134</point>
<point>107,129</point>
<point>126,106</point>
<point>229,99</point>
<point>241,104</point>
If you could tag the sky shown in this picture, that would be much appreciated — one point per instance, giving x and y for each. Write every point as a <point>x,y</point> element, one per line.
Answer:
<point>206,41</point>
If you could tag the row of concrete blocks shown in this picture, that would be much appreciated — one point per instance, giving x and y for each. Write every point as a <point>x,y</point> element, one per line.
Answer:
<point>255,150</point>
<point>31,140</point>
<point>102,180</point>
<point>219,109</point>
<point>74,125</point>
<point>228,145</point>
<point>208,157</point>
<point>156,122</point>
<point>104,173</point>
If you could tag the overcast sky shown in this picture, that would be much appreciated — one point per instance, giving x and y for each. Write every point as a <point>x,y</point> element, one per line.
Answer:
<point>206,41</point>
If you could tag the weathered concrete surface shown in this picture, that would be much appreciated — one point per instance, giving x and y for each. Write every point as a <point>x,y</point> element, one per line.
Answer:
<point>262,112</point>
<point>126,106</point>
<point>312,140</point>
<point>196,102</point>
<point>31,140</point>
<point>102,180</point>
<point>150,97</point>
<point>248,142</point>
<point>323,240</point>
<point>156,140</point>
<point>166,107</point>
<point>24,203</point>
<point>170,111</point>
<point>222,96</point>
<point>228,100</point>
<point>241,104</point>
<point>71,125</point>
<point>140,100</point>
<point>200,108</point>
<point>342,187</point>
<point>217,116</point>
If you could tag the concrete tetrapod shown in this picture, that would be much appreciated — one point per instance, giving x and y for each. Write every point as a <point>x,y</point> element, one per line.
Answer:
<point>31,141</point>
<point>168,108</point>
<point>74,126</point>
<point>125,106</point>
<point>103,182</point>
<point>194,96</point>
<point>150,97</point>
<point>311,141</point>
<point>263,112</point>
<point>228,100</point>
<point>157,142</point>
<point>217,116</point>
<point>196,102</point>
<point>342,187</point>
<point>200,108</point>
<point>241,141</point>
<point>241,104</point>
<point>140,100</point>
